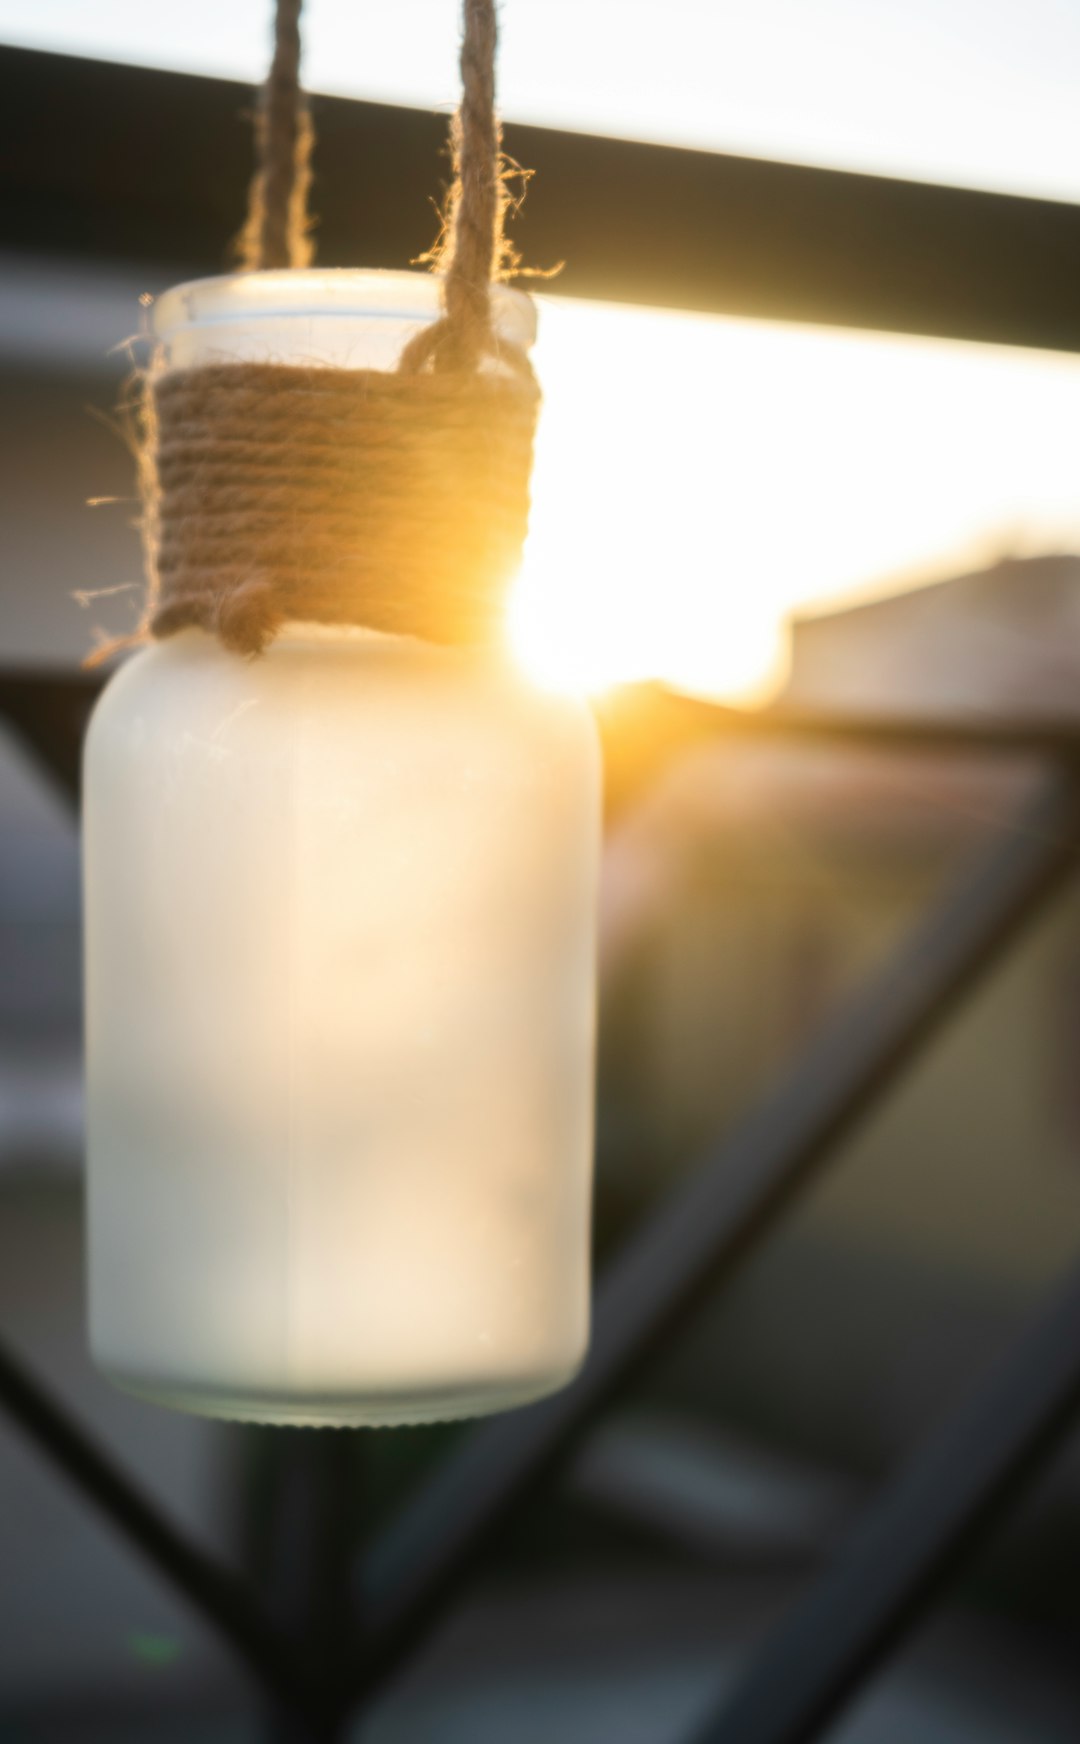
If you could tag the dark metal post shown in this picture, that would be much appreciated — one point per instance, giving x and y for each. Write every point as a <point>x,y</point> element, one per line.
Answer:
<point>304,1524</point>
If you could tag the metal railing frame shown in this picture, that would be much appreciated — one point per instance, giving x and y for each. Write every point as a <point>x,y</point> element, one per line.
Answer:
<point>694,1242</point>
<point>728,235</point>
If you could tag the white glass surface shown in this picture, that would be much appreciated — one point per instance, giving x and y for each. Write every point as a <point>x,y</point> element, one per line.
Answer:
<point>340,963</point>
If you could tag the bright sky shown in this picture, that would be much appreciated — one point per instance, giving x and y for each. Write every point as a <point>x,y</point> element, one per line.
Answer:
<point>740,468</point>
<point>743,468</point>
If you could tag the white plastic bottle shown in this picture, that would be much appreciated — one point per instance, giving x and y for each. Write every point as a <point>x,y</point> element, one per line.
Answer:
<point>339,979</point>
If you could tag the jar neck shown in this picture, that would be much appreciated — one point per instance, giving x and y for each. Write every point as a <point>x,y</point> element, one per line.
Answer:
<point>336,318</point>
<point>297,636</point>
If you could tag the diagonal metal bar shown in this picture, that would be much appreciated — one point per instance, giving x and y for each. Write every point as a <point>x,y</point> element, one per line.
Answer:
<point>913,1540</point>
<point>221,1599</point>
<point>710,1224</point>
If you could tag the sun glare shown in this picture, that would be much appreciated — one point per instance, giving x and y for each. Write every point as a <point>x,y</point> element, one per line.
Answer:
<point>587,638</point>
<point>699,479</point>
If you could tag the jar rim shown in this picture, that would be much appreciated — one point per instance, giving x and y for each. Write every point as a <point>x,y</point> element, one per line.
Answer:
<point>326,293</point>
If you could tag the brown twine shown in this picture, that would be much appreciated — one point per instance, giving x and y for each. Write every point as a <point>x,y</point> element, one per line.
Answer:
<point>473,222</point>
<point>394,500</point>
<point>276,231</point>
<point>335,496</point>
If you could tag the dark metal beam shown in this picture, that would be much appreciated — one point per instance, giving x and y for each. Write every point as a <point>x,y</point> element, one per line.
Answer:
<point>643,726</point>
<point>48,711</point>
<point>712,1222</point>
<point>913,1540</point>
<point>644,712</point>
<point>151,167</point>
<point>218,1597</point>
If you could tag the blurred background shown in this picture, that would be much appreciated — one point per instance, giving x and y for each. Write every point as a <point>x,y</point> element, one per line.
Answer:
<point>763,510</point>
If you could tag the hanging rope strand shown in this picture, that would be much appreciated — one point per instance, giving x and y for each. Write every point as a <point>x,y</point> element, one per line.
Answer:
<point>276,231</point>
<point>477,217</point>
<point>473,247</point>
<point>397,500</point>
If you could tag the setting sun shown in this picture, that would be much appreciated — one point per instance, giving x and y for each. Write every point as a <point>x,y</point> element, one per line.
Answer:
<point>698,480</point>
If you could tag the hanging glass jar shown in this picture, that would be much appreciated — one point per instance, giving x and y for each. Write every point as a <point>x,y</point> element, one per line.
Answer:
<point>339,978</point>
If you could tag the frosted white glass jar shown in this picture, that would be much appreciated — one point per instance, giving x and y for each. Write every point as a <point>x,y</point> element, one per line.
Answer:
<point>339,983</point>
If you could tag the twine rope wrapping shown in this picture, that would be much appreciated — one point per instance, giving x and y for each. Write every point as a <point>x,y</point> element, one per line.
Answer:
<point>335,496</point>
<point>396,500</point>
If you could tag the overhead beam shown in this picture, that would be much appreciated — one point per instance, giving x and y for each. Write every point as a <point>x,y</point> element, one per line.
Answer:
<point>151,167</point>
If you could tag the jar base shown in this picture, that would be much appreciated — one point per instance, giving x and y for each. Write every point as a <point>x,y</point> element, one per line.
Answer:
<point>371,1411</point>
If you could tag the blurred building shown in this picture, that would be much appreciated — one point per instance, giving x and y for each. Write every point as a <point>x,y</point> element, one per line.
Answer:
<point>1001,643</point>
<point>755,887</point>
